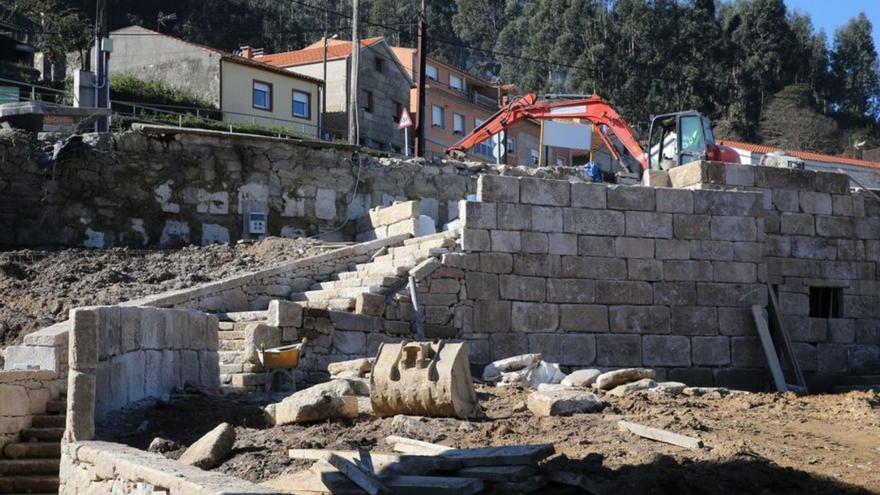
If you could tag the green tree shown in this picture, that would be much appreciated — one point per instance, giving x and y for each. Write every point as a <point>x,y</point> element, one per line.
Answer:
<point>854,65</point>
<point>790,121</point>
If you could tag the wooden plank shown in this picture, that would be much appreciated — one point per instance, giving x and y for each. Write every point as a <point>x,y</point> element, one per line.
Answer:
<point>416,446</point>
<point>769,349</point>
<point>434,485</point>
<point>498,473</point>
<point>786,339</point>
<point>501,456</point>
<point>368,482</point>
<point>573,479</point>
<point>314,483</point>
<point>391,463</point>
<point>662,435</point>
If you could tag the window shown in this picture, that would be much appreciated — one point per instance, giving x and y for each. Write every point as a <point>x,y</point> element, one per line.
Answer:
<point>438,116</point>
<point>379,64</point>
<point>262,98</point>
<point>398,110</point>
<point>692,135</point>
<point>456,82</point>
<point>302,104</point>
<point>484,148</point>
<point>560,162</point>
<point>431,72</point>
<point>511,146</point>
<point>457,123</point>
<point>534,156</point>
<point>367,100</point>
<point>825,302</point>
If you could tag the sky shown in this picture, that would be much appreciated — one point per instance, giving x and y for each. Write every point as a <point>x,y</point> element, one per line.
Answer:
<point>831,14</point>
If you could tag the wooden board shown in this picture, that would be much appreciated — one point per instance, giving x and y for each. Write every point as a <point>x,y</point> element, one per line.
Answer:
<point>662,435</point>
<point>769,349</point>
<point>501,456</point>
<point>398,464</point>
<point>779,325</point>
<point>368,482</point>
<point>434,485</point>
<point>498,473</point>
<point>410,446</point>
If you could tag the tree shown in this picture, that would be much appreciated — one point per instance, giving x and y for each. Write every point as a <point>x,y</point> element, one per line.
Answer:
<point>855,68</point>
<point>478,23</point>
<point>791,122</point>
<point>60,30</point>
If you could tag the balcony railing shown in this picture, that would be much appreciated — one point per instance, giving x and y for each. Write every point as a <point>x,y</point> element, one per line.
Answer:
<point>483,100</point>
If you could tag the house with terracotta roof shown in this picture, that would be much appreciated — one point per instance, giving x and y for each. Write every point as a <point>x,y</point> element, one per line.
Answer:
<point>244,89</point>
<point>863,172</point>
<point>383,87</point>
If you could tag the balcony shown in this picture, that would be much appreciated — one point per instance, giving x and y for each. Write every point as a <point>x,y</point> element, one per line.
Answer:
<point>483,100</point>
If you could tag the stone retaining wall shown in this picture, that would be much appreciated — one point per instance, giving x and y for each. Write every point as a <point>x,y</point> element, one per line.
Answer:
<point>120,355</point>
<point>23,395</point>
<point>103,467</point>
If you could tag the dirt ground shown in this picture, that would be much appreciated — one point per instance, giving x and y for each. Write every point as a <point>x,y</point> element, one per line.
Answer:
<point>754,444</point>
<point>38,288</point>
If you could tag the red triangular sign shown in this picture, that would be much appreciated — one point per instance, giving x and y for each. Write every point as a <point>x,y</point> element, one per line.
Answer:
<point>405,119</point>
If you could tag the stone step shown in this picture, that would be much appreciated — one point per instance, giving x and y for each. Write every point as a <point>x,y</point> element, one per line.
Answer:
<point>231,345</point>
<point>351,282</point>
<point>446,234</point>
<point>30,450</point>
<point>248,379</point>
<point>226,325</point>
<point>48,421</point>
<point>29,484</point>
<point>239,316</point>
<point>231,357</point>
<point>57,406</point>
<point>231,335</point>
<point>326,295</point>
<point>29,466</point>
<point>231,369</point>
<point>336,304</point>
<point>45,434</point>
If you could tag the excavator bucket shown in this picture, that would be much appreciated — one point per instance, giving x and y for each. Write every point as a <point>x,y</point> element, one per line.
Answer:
<point>423,379</point>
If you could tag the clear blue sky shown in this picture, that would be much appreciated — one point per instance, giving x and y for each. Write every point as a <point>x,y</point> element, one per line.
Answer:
<point>831,14</point>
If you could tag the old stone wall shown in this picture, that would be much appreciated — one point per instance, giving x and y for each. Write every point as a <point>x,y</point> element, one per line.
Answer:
<point>103,467</point>
<point>167,186</point>
<point>23,395</point>
<point>120,355</point>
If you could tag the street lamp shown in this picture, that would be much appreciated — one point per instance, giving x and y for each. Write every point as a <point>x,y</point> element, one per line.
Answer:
<point>324,91</point>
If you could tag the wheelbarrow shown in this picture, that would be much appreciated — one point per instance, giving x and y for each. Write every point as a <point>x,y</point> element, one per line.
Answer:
<point>281,361</point>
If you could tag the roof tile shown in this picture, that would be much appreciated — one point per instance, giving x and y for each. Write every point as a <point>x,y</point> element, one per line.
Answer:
<point>803,155</point>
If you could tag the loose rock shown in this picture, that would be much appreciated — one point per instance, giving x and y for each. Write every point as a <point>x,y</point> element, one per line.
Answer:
<point>632,387</point>
<point>210,450</point>
<point>563,402</point>
<point>611,379</point>
<point>669,388</point>
<point>162,445</point>
<point>333,399</point>
<point>350,369</point>
<point>581,378</point>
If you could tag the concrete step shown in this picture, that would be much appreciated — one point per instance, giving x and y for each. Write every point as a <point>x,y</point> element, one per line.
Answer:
<point>48,421</point>
<point>29,484</point>
<point>30,450</point>
<point>29,466</point>
<point>57,406</point>
<point>42,434</point>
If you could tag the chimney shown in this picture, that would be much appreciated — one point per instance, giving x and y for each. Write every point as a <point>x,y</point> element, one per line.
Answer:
<point>247,52</point>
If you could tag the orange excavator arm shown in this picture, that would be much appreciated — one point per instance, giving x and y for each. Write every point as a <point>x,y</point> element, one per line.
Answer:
<point>531,106</point>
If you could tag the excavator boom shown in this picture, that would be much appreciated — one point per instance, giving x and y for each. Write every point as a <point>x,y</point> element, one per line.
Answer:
<point>593,109</point>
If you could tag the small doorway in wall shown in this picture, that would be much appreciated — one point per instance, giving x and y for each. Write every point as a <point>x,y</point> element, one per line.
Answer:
<point>826,302</point>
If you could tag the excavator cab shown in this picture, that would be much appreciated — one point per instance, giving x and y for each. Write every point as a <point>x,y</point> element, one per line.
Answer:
<point>683,137</point>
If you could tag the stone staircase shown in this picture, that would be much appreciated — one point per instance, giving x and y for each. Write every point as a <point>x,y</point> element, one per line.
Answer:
<point>385,274</point>
<point>31,465</point>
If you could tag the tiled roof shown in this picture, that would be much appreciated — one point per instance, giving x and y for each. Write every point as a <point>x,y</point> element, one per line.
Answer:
<point>803,155</point>
<point>335,50</point>
<point>223,55</point>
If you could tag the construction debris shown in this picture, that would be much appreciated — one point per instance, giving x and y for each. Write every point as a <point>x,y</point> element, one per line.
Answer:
<point>611,379</point>
<point>333,399</point>
<point>354,368</point>
<point>581,378</point>
<point>523,370</point>
<point>563,402</point>
<point>662,435</point>
<point>632,387</point>
<point>210,450</point>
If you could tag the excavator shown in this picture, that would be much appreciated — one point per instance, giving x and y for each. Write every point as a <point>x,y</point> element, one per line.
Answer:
<point>673,139</point>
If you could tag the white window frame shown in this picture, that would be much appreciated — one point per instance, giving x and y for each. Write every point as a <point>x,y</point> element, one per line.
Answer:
<point>434,113</point>
<point>431,72</point>
<point>458,85</point>
<point>308,103</point>
<point>535,156</point>
<point>457,119</point>
<point>263,88</point>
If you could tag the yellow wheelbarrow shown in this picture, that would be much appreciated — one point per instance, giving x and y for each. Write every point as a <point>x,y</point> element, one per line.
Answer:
<point>281,361</point>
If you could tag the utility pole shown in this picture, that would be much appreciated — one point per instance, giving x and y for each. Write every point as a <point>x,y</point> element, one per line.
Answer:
<point>102,87</point>
<point>420,103</point>
<point>353,90</point>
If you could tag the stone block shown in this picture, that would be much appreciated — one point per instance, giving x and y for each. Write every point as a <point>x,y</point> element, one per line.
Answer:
<point>588,195</point>
<point>631,198</point>
<point>831,358</point>
<point>80,421</point>
<point>687,271</point>
<point>656,178</point>
<point>672,249</point>
<point>867,228</point>
<point>862,359</point>
<point>544,192</point>
<point>736,322</point>
<point>710,351</point>
<point>546,219</point>
<point>342,320</point>
<point>135,364</point>
<point>538,243</point>
<point>496,262</point>
<point>806,356</point>
<point>506,241</point>
<point>593,267</point>
<point>741,379</point>
<point>538,265</point>
<point>565,349</point>
<point>593,222</point>
<point>687,175</point>
<point>563,403</point>
<point>736,295</point>
<point>784,178</point>
<point>841,331</point>
<point>505,345</point>
<point>675,293</point>
<point>153,331</point>
<point>319,402</point>
<point>747,352</point>
<point>666,350</point>
<point>729,228</point>
<point>813,248</point>
<point>842,205</point>
<point>349,342</point>
<point>739,175</point>
<point>648,224</point>
<point>623,292</point>
<point>595,246</point>
<point>736,203</point>
<point>570,290</point>
<point>735,272</point>
<point>618,350</point>
<point>691,226</point>
<point>643,269</point>
<point>674,200</point>
<point>815,202</point>
<point>492,316</point>
<point>14,400</point>
<point>497,189</point>
<point>518,217</point>
<point>478,215</point>
<point>283,313</point>
<point>796,224</point>
<point>83,347</point>
<point>694,320</point>
<point>564,244</point>
<point>868,331</point>
<point>752,252</point>
<point>130,327</point>
<point>583,318</point>
<point>639,319</point>
<point>325,204</point>
<point>475,240</point>
<point>832,182</point>
<point>712,250</point>
<point>482,286</point>
<point>534,317</point>
<point>519,288</point>
<point>633,247</point>
<point>835,226</point>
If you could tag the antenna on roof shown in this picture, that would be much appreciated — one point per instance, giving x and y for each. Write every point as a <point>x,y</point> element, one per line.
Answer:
<point>162,18</point>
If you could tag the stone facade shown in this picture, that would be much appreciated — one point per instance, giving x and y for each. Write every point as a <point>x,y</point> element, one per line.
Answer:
<point>23,395</point>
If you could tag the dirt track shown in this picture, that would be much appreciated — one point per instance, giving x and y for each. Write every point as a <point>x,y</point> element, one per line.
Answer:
<point>38,288</point>
<point>756,443</point>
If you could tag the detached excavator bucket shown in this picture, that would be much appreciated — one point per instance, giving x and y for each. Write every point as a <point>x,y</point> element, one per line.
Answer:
<point>423,379</point>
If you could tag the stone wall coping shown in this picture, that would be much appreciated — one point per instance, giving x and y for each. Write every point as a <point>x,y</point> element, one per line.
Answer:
<point>136,465</point>
<point>52,336</point>
<point>8,376</point>
<point>155,130</point>
<point>235,281</point>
